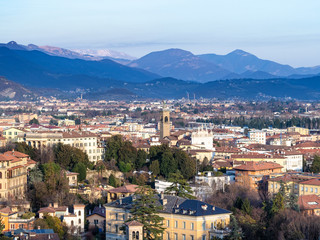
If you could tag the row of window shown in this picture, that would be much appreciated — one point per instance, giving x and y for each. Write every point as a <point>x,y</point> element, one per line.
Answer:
<point>311,189</point>
<point>184,237</point>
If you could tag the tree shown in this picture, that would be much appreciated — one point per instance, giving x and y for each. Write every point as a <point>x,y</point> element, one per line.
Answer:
<point>82,170</point>
<point>315,167</point>
<point>155,167</point>
<point>278,203</point>
<point>236,231</point>
<point>246,206</point>
<point>2,226</point>
<point>144,210</point>
<point>113,181</point>
<point>167,164</point>
<point>141,159</point>
<point>34,121</point>
<point>179,187</point>
<point>53,122</point>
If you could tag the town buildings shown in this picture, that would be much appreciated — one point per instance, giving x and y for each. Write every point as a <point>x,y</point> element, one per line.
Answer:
<point>183,218</point>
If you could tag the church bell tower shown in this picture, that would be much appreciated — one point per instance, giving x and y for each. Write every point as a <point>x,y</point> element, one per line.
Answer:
<point>165,122</point>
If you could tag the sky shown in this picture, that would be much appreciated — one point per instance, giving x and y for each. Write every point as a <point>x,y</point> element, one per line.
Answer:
<point>286,31</point>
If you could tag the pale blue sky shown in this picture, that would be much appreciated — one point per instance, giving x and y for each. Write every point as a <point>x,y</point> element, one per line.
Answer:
<point>287,31</point>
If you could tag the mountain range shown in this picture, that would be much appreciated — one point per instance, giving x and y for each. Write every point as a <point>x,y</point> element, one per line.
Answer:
<point>163,74</point>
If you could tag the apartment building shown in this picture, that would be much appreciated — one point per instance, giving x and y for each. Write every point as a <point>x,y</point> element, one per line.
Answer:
<point>258,136</point>
<point>13,174</point>
<point>254,174</point>
<point>86,141</point>
<point>183,218</point>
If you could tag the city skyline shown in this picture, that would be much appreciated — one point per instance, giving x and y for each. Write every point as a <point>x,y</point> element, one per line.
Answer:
<point>286,32</point>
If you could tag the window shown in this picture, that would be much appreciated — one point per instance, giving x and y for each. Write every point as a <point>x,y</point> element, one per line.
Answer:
<point>96,221</point>
<point>204,237</point>
<point>191,237</point>
<point>192,226</point>
<point>176,236</point>
<point>184,225</point>
<point>271,185</point>
<point>183,237</point>
<point>72,223</point>
<point>117,228</point>
<point>311,189</point>
<point>0,174</point>
<point>79,221</point>
<point>316,190</point>
<point>168,236</point>
<point>79,213</point>
<point>168,223</point>
<point>301,188</point>
<point>123,217</point>
<point>204,225</point>
<point>176,224</point>
<point>306,189</point>
<point>116,216</point>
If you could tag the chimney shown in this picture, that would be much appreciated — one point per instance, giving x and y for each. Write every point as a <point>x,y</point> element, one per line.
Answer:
<point>100,205</point>
<point>39,228</point>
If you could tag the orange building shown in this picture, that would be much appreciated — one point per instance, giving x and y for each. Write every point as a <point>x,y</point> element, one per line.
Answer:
<point>255,174</point>
<point>309,204</point>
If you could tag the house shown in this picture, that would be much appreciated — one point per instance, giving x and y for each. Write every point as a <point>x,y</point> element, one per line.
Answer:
<point>121,192</point>
<point>183,218</point>
<point>97,218</point>
<point>74,217</point>
<point>255,174</point>
<point>12,219</point>
<point>13,174</point>
<point>309,204</point>
<point>72,178</point>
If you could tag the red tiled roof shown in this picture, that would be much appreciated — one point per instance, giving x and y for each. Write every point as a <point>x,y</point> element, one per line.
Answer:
<point>130,188</point>
<point>314,181</point>
<point>256,166</point>
<point>309,202</point>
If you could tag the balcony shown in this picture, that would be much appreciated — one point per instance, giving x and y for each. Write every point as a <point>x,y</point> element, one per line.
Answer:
<point>219,233</point>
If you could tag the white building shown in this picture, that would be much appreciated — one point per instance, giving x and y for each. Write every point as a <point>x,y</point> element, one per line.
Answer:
<point>258,136</point>
<point>75,220</point>
<point>202,139</point>
<point>86,141</point>
<point>294,161</point>
<point>161,186</point>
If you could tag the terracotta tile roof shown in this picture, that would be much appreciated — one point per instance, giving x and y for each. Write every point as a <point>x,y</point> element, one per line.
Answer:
<point>47,210</point>
<point>256,166</point>
<point>314,181</point>
<point>130,188</point>
<point>309,202</point>
<point>308,145</point>
<point>16,154</point>
<point>134,223</point>
<point>6,210</point>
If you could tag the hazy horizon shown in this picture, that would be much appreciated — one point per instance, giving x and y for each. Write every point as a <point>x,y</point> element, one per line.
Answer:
<point>286,32</point>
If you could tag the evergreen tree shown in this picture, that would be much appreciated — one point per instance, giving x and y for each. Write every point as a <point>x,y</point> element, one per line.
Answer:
<point>155,167</point>
<point>179,187</point>
<point>236,231</point>
<point>145,210</point>
<point>315,167</point>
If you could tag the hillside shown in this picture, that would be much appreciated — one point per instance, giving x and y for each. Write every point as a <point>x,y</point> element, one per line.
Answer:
<point>180,64</point>
<point>13,91</point>
<point>34,68</point>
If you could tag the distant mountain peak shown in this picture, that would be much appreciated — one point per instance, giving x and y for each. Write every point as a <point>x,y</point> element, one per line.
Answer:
<point>240,52</point>
<point>12,43</point>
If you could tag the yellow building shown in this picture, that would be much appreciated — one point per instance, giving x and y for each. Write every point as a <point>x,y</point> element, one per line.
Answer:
<point>302,131</point>
<point>256,157</point>
<point>11,134</point>
<point>298,184</point>
<point>13,174</point>
<point>183,218</point>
